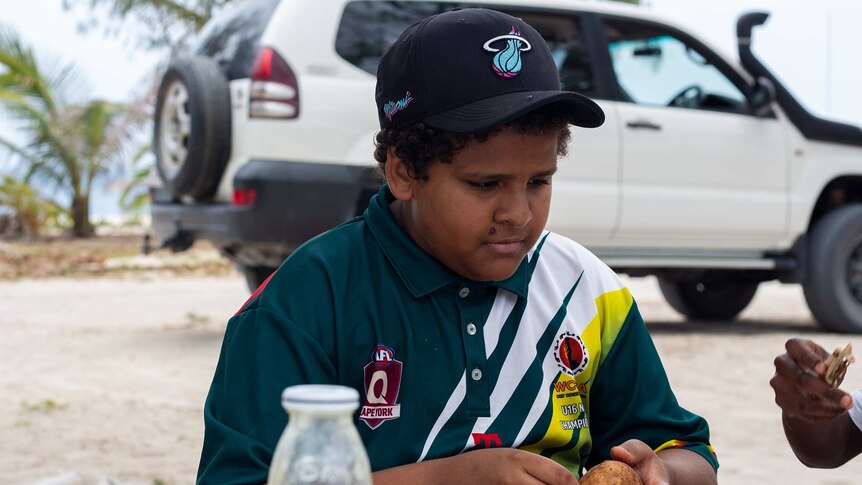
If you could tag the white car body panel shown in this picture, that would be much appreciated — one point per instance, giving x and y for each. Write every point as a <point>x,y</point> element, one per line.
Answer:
<point>586,199</point>
<point>681,184</point>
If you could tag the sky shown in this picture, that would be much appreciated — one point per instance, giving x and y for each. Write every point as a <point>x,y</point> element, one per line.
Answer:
<point>811,46</point>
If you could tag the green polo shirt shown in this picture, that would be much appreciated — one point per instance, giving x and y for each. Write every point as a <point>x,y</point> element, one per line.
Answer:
<point>555,360</point>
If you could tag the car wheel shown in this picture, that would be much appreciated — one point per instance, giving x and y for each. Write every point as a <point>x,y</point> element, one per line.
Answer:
<point>191,137</point>
<point>255,275</point>
<point>714,295</point>
<point>833,283</point>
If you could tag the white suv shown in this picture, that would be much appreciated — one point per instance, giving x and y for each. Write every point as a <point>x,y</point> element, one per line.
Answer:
<point>706,173</point>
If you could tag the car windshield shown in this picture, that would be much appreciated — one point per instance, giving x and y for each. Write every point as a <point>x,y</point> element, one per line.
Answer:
<point>655,68</point>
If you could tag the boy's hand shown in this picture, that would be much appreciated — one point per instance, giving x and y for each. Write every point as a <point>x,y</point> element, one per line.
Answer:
<point>643,459</point>
<point>800,388</point>
<point>503,466</point>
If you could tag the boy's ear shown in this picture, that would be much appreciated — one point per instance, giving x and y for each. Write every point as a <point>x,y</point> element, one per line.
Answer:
<point>401,184</point>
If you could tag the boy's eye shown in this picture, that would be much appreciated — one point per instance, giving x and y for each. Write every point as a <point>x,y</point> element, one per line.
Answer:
<point>541,181</point>
<point>483,185</point>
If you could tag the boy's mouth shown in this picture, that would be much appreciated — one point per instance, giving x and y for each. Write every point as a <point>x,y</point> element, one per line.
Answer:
<point>506,246</point>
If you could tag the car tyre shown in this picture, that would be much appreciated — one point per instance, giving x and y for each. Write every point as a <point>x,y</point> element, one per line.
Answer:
<point>714,295</point>
<point>833,283</point>
<point>192,132</point>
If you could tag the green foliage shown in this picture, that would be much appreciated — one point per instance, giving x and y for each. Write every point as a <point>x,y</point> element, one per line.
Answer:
<point>69,141</point>
<point>135,195</point>
<point>170,22</point>
<point>26,212</point>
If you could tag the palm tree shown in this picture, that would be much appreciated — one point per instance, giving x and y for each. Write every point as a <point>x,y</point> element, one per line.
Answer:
<point>68,143</point>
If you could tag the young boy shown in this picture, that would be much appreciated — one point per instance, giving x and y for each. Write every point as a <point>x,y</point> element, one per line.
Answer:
<point>485,349</point>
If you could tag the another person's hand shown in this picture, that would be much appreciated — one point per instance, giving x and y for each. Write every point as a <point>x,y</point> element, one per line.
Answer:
<point>502,466</point>
<point>643,459</point>
<point>800,388</point>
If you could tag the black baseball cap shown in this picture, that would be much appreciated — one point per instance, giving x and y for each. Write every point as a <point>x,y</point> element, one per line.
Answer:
<point>470,70</point>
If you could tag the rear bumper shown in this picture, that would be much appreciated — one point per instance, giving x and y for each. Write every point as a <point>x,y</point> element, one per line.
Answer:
<point>294,202</point>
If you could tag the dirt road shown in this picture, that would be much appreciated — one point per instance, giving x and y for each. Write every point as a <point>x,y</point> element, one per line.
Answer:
<point>105,378</point>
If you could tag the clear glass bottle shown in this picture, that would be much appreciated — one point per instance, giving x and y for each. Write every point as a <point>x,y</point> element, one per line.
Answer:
<point>320,444</point>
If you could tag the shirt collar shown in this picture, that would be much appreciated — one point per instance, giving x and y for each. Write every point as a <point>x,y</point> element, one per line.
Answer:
<point>421,272</point>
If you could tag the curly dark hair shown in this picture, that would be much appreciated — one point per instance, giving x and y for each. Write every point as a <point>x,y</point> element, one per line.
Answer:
<point>420,145</point>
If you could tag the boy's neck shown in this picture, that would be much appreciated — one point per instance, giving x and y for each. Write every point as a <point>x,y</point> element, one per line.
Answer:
<point>396,207</point>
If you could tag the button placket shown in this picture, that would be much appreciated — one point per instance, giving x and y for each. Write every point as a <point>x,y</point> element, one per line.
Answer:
<point>472,308</point>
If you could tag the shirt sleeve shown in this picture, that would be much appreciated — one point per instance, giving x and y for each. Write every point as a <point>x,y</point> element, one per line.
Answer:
<point>263,352</point>
<point>856,411</point>
<point>631,398</point>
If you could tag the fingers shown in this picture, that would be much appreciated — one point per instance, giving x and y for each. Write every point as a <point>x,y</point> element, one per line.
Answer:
<point>645,462</point>
<point>807,354</point>
<point>548,472</point>
<point>798,402</point>
<point>513,466</point>
<point>801,377</point>
<point>632,452</point>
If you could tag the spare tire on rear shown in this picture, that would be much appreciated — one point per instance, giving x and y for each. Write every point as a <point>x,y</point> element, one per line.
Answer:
<point>192,132</point>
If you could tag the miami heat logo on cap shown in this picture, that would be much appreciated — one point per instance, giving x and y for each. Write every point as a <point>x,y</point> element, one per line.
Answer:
<point>507,61</point>
<point>382,383</point>
<point>571,354</point>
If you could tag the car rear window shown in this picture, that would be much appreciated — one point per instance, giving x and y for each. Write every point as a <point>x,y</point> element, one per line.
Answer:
<point>368,28</point>
<point>232,38</point>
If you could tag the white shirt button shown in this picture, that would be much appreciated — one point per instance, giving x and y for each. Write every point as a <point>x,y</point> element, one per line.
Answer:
<point>471,329</point>
<point>464,293</point>
<point>476,374</point>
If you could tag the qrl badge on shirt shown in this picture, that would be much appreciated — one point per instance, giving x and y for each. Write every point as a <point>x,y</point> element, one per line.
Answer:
<point>382,383</point>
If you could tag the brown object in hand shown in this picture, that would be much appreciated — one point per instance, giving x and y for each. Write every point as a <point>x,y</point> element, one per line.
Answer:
<point>836,365</point>
<point>611,472</point>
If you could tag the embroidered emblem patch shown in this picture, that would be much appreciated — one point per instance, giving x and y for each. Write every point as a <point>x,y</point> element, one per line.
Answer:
<point>392,108</point>
<point>507,61</point>
<point>382,384</point>
<point>571,354</point>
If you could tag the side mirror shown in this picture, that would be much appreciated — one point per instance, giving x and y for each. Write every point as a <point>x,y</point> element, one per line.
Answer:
<point>762,97</point>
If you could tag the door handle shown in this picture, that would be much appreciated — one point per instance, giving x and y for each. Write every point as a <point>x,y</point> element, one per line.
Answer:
<point>643,124</point>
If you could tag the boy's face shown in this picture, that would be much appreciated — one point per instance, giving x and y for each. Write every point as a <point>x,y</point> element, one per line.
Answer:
<point>480,214</point>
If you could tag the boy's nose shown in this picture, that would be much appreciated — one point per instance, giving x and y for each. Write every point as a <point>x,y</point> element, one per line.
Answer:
<point>514,209</point>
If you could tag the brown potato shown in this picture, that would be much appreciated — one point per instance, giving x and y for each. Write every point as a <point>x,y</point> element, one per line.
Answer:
<point>611,472</point>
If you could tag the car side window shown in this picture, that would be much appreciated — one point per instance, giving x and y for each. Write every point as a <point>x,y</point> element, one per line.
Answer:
<point>654,67</point>
<point>368,28</point>
<point>563,35</point>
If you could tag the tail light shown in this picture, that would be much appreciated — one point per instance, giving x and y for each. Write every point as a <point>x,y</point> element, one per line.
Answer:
<point>244,197</point>
<point>274,90</point>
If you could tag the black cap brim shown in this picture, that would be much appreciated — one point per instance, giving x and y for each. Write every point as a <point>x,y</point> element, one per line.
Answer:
<point>488,113</point>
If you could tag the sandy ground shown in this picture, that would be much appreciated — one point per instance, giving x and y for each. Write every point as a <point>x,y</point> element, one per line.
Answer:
<point>102,380</point>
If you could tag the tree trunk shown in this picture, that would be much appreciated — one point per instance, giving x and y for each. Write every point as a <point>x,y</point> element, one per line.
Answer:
<point>81,216</point>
